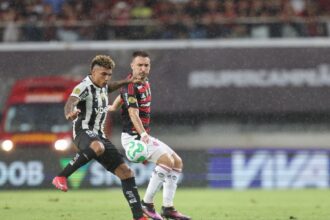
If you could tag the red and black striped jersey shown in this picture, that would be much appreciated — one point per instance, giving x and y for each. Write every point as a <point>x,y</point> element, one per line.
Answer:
<point>136,95</point>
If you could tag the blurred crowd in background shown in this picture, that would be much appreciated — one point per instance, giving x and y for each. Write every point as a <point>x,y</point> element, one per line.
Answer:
<point>79,20</point>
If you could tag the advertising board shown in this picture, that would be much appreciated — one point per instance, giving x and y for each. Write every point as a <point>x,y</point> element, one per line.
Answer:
<point>263,168</point>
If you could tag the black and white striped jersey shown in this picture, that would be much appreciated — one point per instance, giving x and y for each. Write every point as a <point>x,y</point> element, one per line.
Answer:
<point>93,105</point>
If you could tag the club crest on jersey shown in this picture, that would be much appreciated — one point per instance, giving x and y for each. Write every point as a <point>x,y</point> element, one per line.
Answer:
<point>76,91</point>
<point>132,100</point>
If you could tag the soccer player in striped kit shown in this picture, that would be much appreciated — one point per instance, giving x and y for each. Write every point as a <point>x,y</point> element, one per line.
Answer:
<point>87,107</point>
<point>135,101</point>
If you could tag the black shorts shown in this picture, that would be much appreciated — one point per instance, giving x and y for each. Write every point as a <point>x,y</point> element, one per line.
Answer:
<point>110,159</point>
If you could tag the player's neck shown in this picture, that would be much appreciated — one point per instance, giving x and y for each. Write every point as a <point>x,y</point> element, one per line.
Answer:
<point>93,81</point>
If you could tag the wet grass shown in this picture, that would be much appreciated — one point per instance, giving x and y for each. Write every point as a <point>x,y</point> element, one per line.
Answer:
<point>200,203</point>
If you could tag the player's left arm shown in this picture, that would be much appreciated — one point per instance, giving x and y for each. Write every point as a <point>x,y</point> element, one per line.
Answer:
<point>114,85</point>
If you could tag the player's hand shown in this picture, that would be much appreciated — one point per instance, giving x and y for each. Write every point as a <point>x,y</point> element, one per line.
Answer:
<point>134,80</point>
<point>73,115</point>
<point>145,137</point>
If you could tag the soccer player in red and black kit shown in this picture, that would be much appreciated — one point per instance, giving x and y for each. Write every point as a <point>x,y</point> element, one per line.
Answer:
<point>135,101</point>
<point>87,107</point>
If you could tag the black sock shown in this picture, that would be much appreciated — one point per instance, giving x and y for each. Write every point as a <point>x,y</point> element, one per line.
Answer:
<point>78,161</point>
<point>132,196</point>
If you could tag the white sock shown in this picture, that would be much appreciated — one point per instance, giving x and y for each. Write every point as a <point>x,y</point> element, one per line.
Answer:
<point>155,182</point>
<point>170,185</point>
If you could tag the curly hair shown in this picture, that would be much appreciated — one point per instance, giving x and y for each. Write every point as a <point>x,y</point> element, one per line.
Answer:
<point>103,61</point>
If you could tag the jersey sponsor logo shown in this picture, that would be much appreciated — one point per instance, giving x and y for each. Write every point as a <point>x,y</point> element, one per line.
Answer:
<point>132,100</point>
<point>145,105</point>
<point>101,110</point>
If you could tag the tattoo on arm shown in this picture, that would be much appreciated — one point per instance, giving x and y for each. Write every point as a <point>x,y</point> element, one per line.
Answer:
<point>70,105</point>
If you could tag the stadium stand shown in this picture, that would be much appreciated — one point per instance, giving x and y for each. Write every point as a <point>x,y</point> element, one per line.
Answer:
<point>82,20</point>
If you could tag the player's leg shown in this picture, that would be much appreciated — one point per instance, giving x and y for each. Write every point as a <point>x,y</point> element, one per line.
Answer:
<point>130,191</point>
<point>157,179</point>
<point>170,178</point>
<point>163,167</point>
<point>169,189</point>
<point>157,176</point>
<point>113,161</point>
<point>161,154</point>
<point>90,146</point>
<point>171,181</point>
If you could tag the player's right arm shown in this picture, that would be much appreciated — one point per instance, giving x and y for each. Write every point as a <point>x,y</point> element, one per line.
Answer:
<point>79,93</point>
<point>129,100</point>
<point>115,105</point>
<point>135,118</point>
<point>70,109</point>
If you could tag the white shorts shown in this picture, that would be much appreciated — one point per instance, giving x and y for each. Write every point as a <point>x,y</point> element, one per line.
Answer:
<point>156,147</point>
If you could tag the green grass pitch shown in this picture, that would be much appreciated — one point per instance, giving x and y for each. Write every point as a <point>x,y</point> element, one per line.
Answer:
<point>200,203</point>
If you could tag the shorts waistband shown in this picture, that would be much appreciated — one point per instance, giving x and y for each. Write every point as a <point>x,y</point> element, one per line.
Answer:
<point>131,133</point>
